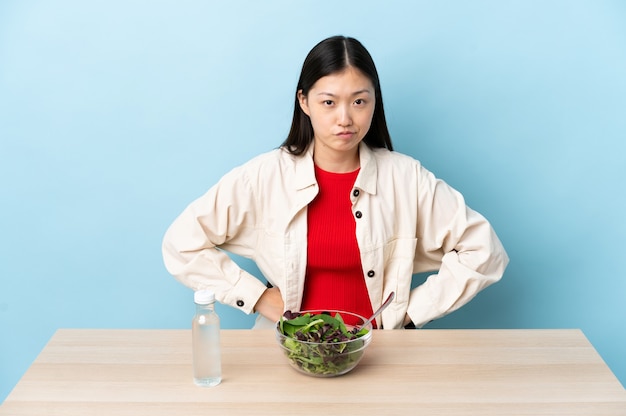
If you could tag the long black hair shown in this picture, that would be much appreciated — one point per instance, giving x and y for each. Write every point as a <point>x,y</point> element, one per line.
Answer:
<point>331,56</point>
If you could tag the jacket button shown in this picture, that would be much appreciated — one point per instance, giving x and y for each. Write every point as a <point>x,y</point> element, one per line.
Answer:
<point>358,214</point>
<point>355,192</point>
<point>371,273</point>
<point>240,303</point>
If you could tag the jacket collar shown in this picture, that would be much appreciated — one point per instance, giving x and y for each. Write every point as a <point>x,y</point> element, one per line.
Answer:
<point>366,180</point>
<point>305,170</point>
<point>368,175</point>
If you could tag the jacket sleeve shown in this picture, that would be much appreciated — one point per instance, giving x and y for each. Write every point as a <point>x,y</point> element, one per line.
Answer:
<point>458,240</point>
<point>224,215</point>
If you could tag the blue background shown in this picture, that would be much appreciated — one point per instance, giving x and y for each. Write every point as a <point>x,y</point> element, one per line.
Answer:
<point>114,115</point>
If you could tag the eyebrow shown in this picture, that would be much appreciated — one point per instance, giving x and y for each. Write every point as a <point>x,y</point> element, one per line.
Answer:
<point>330,94</point>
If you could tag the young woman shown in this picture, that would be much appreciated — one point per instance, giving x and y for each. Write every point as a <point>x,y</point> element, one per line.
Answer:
<point>334,218</point>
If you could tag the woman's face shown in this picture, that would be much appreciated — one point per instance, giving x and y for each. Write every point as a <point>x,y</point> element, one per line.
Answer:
<point>341,107</point>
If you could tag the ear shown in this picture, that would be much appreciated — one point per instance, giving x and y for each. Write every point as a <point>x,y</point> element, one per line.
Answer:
<point>304,103</point>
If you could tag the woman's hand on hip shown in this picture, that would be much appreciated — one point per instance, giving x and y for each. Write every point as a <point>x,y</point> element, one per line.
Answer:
<point>270,304</point>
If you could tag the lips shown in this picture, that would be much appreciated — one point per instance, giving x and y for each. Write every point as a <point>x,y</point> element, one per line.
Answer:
<point>345,134</point>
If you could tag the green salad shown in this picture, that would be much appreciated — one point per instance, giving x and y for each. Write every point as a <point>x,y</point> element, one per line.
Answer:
<point>321,344</point>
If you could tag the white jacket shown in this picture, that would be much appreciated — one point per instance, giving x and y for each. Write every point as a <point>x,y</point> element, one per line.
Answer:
<point>407,222</point>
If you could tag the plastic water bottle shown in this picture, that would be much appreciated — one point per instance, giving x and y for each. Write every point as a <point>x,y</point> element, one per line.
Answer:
<point>205,332</point>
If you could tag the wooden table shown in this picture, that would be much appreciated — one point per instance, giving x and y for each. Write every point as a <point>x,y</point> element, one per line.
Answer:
<point>430,372</point>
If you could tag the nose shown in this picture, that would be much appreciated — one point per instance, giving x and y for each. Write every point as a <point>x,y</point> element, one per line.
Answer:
<point>344,118</point>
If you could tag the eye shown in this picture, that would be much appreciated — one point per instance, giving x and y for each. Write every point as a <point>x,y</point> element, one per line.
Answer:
<point>328,102</point>
<point>359,101</point>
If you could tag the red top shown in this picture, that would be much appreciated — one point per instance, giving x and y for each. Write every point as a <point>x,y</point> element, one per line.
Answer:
<point>334,276</point>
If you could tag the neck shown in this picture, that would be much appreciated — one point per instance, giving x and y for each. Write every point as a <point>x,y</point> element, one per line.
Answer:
<point>337,163</point>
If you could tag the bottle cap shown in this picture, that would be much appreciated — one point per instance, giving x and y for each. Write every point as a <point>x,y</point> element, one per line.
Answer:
<point>204,297</point>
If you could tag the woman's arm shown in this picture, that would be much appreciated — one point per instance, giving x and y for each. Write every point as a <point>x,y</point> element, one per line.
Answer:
<point>470,254</point>
<point>225,214</point>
